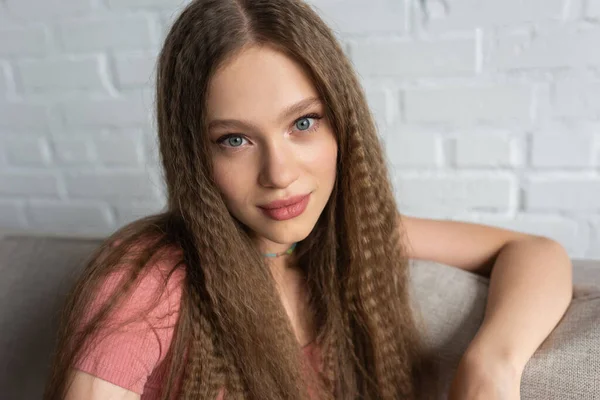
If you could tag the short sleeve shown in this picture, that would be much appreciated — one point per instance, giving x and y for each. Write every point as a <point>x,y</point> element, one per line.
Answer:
<point>126,355</point>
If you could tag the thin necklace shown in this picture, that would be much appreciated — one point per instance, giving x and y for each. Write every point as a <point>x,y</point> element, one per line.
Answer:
<point>288,251</point>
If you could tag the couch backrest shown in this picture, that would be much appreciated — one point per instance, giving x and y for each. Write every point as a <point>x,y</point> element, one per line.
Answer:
<point>37,272</point>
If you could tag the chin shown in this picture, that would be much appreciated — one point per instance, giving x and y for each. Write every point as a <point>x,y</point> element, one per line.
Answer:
<point>286,232</point>
<point>277,236</point>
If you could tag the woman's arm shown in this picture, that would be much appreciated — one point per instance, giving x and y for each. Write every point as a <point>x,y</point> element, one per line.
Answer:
<point>531,287</point>
<point>530,281</point>
<point>86,386</point>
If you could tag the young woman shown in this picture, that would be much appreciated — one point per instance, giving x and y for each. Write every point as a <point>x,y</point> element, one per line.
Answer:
<point>279,268</point>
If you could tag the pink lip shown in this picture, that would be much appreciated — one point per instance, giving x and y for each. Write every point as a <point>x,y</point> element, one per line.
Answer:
<point>289,211</point>
<point>284,203</point>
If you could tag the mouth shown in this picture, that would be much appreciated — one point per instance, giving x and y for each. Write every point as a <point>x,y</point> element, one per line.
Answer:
<point>286,209</point>
<point>290,201</point>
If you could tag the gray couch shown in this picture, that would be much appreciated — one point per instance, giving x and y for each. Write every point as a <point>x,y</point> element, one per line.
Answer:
<point>36,273</point>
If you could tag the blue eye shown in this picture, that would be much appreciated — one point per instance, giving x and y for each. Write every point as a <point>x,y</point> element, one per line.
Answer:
<point>303,123</point>
<point>237,141</point>
<point>231,140</point>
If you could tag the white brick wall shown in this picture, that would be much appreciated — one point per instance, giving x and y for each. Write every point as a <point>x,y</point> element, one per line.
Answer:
<point>467,105</point>
<point>409,58</point>
<point>575,194</point>
<point>129,109</point>
<point>575,150</point>
<point>26,41</point>
<point>28,151</point>
<point>579,99</point>
<point>35,10</point>
<point>546,49</point>
<point>23,116</point>
<point>61,74</point>
<point>593,9</point>
<point>453,15</point>
<point>489,110</point>
<point>363,17</point>
<point>486,150</point>
<point>108,33</point>
<point>135,69</point>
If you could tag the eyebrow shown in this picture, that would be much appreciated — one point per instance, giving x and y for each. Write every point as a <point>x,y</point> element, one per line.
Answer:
<point>287,112</point>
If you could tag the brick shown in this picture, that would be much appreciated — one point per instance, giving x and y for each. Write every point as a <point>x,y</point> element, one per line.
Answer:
<point>137,69</point>
<point>3,77</point>
<point>32,151</point>
<point>468,104</point>
<point>406,59</point>
<point>484,150</point>
<point>151,149</point>
<point>594,250</point>
<point>33,10</point>
<point>454,193</point>
<point>118,151</point>
<point>70,219</point>
<point>5,18</point>
<point>559,48</point>
<point>593,9</point>
<point>118,33</point>
<point>166,20</point>
<point>379,101</point>
<point>23,116</point>
<point>131,211</point>
<point>29,184</point>
<point>562,150</point>
<point>596,155</point>
<point>3,157</point>
<point>413,150</point>
<point>23,42</point>
<point>562,194</point>
<point>110,186</point>
<point>62,73</point>
<point>72,151</point>
<point>577,99</point>
<point>468,14</point>
<point>360,17</point>
<point>12,216</point>
<point>120,4</point>
<point>131,109</point>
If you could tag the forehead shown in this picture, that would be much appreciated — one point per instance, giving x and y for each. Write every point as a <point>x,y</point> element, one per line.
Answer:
<point>257,82</point>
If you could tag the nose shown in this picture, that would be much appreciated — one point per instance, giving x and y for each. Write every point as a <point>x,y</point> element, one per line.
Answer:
<point>279,167</point>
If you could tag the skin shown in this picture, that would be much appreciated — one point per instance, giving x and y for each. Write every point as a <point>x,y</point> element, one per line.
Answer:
<point>263,153</point>
<point>272,156</point>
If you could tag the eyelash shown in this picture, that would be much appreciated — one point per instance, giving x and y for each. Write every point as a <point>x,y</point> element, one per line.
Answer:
<point>314,126</point>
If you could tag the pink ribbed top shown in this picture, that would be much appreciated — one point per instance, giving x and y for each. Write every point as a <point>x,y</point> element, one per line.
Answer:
<point>134,357</point>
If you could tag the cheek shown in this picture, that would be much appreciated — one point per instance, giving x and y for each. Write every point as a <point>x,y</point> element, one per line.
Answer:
<point>324,157</point>
<point>230,182</point>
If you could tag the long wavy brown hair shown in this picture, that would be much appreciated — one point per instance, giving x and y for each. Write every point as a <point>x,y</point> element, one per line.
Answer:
<point>353,260</point>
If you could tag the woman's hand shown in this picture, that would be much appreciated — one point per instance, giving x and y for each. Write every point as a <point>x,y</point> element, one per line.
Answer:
<point>485,377</point>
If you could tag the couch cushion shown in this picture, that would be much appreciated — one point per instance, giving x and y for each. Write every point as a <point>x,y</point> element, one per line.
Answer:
<point>586,272</point>
<point>36,274</point>
<point>451,303</point>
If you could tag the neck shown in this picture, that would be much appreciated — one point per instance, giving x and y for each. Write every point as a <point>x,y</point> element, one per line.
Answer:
<point>283,267</point>
<point>287,277</point>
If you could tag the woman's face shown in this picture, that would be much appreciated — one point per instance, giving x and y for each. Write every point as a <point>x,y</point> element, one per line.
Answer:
<point>270,141</point>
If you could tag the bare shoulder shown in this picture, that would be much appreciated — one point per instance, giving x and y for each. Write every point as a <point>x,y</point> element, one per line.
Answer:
<point>86,386</point>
